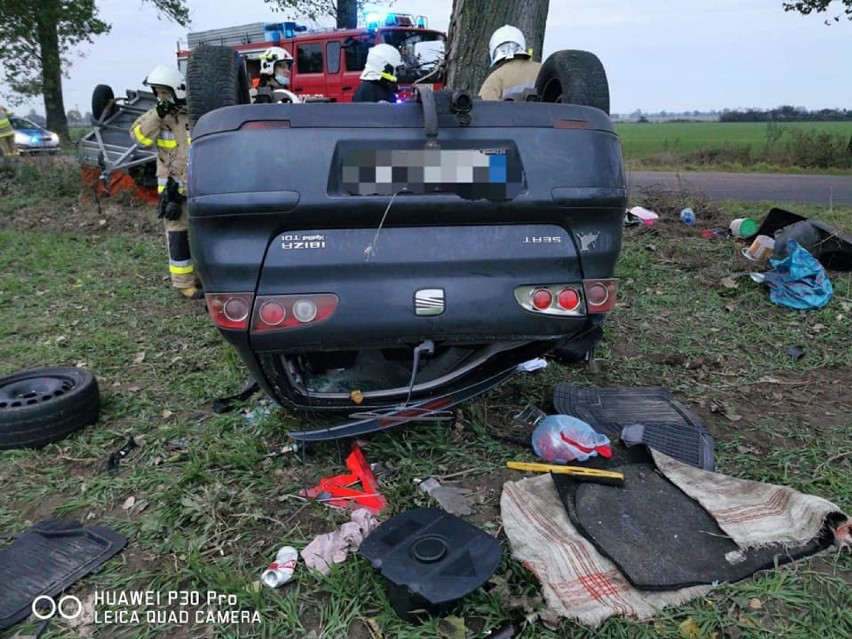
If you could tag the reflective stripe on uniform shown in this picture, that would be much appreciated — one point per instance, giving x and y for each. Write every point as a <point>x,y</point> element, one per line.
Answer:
<point>137,131</point>
<point>186,268</point>
<point>4,125</point>
<point>167,144</point>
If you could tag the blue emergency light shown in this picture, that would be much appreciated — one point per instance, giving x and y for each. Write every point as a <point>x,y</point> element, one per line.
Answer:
<point>373,20</point>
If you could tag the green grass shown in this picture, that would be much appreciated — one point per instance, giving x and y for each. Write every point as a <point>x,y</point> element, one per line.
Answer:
<point>642,139</point>
<point>737,146</point>
<point>210,509</point>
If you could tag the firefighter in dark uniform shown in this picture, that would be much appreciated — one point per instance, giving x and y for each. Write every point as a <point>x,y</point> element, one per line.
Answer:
<point>166,126</point>
<point>378,80</point>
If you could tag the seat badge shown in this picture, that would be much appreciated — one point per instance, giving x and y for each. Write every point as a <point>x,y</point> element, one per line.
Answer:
<point>429,302</point>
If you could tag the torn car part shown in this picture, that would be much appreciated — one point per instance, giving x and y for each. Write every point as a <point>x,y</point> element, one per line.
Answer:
<point>430,560</point>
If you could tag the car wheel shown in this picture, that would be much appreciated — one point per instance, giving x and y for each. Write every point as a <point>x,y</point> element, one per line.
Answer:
<point>43,405</point>
<point>574,77</point>
<point>215,78</point>
<point>103,102</point>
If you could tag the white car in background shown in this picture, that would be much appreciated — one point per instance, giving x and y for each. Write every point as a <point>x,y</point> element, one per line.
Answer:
<point>31,138</point>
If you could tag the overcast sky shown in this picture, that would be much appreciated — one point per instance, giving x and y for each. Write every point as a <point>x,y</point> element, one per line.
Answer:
<point>658,54</point>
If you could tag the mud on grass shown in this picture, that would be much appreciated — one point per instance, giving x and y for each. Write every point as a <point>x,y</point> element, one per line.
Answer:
<point>205,509</point>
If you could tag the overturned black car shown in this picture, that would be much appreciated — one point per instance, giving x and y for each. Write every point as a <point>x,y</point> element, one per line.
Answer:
<point>395,259</point>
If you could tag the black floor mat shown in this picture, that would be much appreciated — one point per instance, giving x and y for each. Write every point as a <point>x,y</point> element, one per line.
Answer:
<point>48,558</point>
<point>659,538</point>
<point>671,427</point>
<point>687,443</point>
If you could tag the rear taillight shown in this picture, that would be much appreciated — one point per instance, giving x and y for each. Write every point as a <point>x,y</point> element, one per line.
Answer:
<point>229,310</point>
<point>283,312</point>
<point>550,299</point>
<point>600,294</point>
<point>568,299</point>
<point>542,299</point>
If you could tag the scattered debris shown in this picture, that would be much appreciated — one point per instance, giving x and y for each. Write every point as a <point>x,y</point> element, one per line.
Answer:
<point>281,570</point>
<point>799,281</point>
<point>430,560</point>
<point>46,560</point>
<point>529,417</point>
<point>760,249</point>
<point>336,491</point>
<point>457,501</point>
<point>115,459</point>
<point>796,352</point>
<point>333,548</point>
<point>564,438</point>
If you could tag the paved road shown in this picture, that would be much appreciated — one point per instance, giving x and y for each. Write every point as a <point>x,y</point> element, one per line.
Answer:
<point>770,187</point>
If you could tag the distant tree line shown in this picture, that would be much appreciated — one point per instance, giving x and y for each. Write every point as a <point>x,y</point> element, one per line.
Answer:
<point>786,114</point>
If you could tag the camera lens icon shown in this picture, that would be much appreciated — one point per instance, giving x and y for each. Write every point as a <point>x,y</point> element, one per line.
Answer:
<point>68,607</point>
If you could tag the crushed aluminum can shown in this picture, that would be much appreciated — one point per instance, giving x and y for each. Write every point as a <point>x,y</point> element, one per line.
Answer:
<point>281,570</point>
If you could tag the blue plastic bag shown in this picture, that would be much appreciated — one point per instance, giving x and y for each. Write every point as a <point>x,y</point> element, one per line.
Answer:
<point>799,280</point>
<point>561,439</point>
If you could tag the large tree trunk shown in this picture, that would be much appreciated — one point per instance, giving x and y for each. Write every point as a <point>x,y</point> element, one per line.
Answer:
<point>51,69</point>
<point>471,26</point>
<point>347,14</point>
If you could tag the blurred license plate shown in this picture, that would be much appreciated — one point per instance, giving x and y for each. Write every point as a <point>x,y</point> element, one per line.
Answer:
<point>491,173</point>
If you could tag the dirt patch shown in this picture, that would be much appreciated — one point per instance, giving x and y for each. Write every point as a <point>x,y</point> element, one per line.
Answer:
<point>48,194</point>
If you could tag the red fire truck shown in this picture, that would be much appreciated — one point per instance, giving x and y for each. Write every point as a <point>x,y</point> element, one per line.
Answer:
<point>328,65</point>
<point>328,62</point>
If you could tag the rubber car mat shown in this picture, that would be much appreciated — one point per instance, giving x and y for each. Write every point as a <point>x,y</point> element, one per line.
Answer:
<point>609,410</point>
<point>661,539</point>
<point>676,440</point>
<point>46,559</point>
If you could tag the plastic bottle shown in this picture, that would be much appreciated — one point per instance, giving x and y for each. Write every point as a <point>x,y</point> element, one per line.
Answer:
<point>687,216</point>
<point>281,570</point>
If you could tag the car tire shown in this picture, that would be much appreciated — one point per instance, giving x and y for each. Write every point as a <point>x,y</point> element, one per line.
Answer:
<point>103,102</point>
<point>44,405</point>
<point>574,77</point>
<point>215,77</point>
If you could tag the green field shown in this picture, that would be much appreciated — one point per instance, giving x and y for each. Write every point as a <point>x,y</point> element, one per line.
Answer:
<point>643,139</point>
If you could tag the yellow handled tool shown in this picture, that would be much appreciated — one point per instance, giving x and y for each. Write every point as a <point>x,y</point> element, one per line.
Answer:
<point>577,471</point>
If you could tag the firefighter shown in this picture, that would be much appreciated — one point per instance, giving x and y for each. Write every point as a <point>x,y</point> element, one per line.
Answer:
<point>166,125</point>
<point>378,80</point>
<point>514,69</point>
<point>276,64</point>
<point>8,147</point>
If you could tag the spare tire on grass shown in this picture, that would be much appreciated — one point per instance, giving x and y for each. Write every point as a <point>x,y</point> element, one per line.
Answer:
<point>215,77</point>
<point>574,77</point>
<point>103,102</point>
<point>44,405</point>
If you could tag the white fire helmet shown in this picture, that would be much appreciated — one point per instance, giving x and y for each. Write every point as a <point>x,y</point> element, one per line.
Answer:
<point>166,76</point>
<point>271,56</point>
<point>383,63</point>
<point>506,43</point>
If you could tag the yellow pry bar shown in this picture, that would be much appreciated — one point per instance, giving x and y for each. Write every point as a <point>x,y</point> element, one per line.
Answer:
<point>562,470</point>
